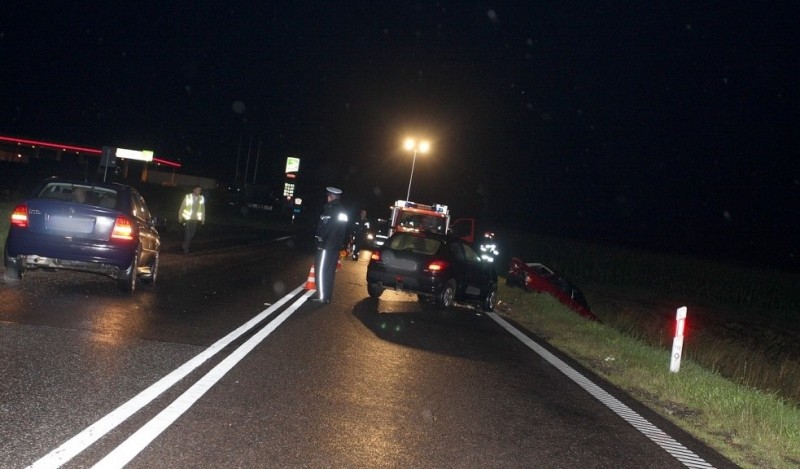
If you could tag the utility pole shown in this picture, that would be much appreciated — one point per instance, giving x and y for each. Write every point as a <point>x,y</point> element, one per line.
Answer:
<point>247,165</point>
<point>258,156</point>
<point>238,155</point>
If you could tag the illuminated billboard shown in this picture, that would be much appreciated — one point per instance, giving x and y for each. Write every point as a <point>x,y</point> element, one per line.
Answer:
<point>144,155</point>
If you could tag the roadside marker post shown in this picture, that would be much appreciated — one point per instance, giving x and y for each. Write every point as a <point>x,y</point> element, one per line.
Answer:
<point>677,341</point>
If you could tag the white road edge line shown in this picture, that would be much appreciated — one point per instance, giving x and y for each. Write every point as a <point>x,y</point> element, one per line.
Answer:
<point>75,445</point>
<point>656,435</point>
<point>127,450</point>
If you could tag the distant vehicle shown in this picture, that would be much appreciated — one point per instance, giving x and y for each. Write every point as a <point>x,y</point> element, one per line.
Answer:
<point>432,266</point>
<point>251,199</point>
<point>533,276</point>
<point>104,228</point>
<point>378,233</point>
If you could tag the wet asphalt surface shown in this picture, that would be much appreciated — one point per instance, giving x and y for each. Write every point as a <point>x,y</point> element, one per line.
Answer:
<point>357,383</point>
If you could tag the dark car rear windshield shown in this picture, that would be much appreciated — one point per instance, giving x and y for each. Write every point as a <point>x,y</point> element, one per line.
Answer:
<point>81,194</point>
<point>410,242</point>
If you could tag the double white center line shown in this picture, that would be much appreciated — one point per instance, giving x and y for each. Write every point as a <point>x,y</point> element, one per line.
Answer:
<point>126,451</point>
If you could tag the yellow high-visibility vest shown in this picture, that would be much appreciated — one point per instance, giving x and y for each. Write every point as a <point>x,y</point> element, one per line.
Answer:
<point>193,210</point>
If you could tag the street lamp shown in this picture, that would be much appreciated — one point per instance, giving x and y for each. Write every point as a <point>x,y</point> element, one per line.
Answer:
<point>412,145</point>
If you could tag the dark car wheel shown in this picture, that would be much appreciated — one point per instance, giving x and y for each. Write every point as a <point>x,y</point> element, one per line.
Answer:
<point>374,290</point>
<point>128,281</point>
<point>153,275</point>
<point>15,268</point>
<point>490,301</point>
<point>447,295</point>
<point>13,271</point>
<point>11,274</point>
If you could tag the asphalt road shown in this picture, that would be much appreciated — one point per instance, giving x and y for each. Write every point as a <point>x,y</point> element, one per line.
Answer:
<point>224,364</point>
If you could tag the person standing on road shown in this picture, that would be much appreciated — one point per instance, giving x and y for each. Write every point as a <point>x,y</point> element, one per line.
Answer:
<point>331,230</point>
<point>360,228</point>
<point>192,213</point>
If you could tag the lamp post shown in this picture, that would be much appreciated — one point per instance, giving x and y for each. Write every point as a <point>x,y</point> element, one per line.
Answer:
<point>412,145</point>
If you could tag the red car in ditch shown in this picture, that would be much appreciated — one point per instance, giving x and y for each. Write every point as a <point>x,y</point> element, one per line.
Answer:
<point>537,277</point>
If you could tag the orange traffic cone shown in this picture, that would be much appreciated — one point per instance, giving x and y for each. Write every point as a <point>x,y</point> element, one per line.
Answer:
<point>339,265</point>
<point>311,283</point>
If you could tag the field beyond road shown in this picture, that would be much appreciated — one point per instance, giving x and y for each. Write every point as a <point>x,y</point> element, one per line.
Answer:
<point>737,388</point>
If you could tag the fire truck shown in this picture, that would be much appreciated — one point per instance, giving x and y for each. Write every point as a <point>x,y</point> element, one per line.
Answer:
<point>416,217</point>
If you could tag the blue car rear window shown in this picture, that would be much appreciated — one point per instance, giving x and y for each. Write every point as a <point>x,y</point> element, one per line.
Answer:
<point>80,194</point>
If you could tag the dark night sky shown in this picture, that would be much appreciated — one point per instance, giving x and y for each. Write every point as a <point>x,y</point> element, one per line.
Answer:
<point>615,120</point>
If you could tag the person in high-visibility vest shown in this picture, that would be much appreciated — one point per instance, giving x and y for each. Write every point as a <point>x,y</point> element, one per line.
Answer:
<point>192,213</point>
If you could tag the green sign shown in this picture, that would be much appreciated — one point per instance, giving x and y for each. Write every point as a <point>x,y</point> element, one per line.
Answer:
<point>292,164</point>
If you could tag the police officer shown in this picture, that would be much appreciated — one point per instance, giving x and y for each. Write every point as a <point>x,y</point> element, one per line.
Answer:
<point>331,231</point>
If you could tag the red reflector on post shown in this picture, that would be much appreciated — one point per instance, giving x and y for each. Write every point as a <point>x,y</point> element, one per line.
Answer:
<point>677,341</point>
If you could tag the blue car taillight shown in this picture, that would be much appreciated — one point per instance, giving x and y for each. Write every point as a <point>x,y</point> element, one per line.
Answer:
<point>19,217</point>
<point>123,229</point>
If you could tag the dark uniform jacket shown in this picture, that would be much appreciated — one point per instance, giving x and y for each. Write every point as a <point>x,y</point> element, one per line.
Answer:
<point>332,226</point>
<point>360,228</point>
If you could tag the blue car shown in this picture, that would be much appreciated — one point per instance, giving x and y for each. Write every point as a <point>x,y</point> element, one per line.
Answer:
<point>435,267</point>
<point>105,228</point>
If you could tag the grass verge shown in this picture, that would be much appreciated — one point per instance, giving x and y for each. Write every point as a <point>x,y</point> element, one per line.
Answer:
<point>743,322</point>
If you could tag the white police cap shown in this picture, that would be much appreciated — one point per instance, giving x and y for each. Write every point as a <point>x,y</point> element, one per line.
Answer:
<point>334,190</point>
